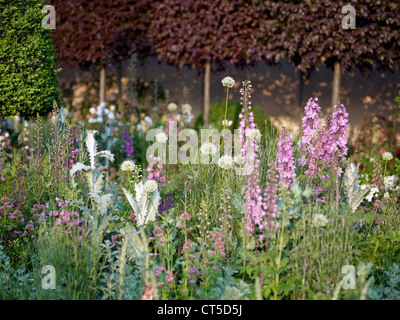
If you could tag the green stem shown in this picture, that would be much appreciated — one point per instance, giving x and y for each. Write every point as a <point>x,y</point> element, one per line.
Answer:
<point>226,110</point>
<point>384,174</point>
<point>278,259</point>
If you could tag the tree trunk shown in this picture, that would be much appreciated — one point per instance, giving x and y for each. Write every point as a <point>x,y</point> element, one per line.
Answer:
<point>102,88</point>
<point>206,106</point>
<point>337,75</point>
<point>16,124</point>
<point>119,84</point>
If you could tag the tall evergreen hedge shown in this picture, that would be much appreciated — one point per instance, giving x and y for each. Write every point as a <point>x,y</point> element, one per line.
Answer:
<point>28,75</point>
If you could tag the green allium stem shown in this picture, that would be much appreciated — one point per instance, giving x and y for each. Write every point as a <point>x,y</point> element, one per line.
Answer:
<point>226,110</point>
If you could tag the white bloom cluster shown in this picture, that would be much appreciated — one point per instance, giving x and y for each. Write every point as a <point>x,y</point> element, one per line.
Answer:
<point>225,162</point>
<point>390,181</point>
<point>256,134</point>
<point>208,149</point>
<point>227,123</point>
<point>319,220</point>
<point>172,107</point>
<point>253,134</point>
<point>97,114</point>
<point>372,193</point>
<point>228,82</point>
<point>128,165</point>
<point>187,113</point>
<point>150,186</point>
<point>161,137</point>
<point>387,156</point>
<point>186,108</point>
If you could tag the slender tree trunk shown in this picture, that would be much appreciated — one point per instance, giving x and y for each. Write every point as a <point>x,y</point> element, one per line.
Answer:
<point>119,84</point>
<point>16,124</point>
<point>206,106</point>
<point>102,84</point>
<point>337,75</point>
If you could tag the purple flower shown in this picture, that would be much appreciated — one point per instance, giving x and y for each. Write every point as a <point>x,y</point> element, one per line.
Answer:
<point>254,210</point>
<point>128,145</point>
<point>325,147</point>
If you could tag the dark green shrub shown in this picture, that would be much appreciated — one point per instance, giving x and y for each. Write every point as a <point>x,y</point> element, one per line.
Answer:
<point>28,80</point>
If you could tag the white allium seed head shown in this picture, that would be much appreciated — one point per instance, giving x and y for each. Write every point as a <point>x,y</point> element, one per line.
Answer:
<point>208,149</point>
<point>172,107</point>
<point>387,156</point>
<point>256,134</point>
<point>161,137</point>
<point>150,186</point>
<point>128,165</point>
<point>228,82</point>
<point>186,108</point>
<point>225,162</point>
<point>319,220</point>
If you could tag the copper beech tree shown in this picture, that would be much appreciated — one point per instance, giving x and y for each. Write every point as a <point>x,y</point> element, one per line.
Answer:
<point>310,34</point>
<point>206,33</point>
<point>100,33</point>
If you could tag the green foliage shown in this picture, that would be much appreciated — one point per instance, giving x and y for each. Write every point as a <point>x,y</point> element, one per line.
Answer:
<point>217,115</point>
<point>71,258</point>
<point>28,81</point>
<point>15,283</point>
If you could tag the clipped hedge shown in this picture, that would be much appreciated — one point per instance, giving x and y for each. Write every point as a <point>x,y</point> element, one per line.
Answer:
<point>28,75</point>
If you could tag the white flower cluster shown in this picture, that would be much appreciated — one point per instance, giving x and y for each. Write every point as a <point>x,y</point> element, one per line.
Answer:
<point>208,149</point>
<point>161,137</point>
<point>374,192</point>
<point>319,220</point>
<point>128,165</point>
<point>225,162</point>
<point>172,107</point>
<point>186,108</point>
<point>228,82</point>
<point>387,156</point>
<point>187,112</point>
<point>150,186</point>
<point>253,134</point>
<point>98,114</point>
<point>256,134</point>
<point>390,182</point>
<point>227,123</point>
